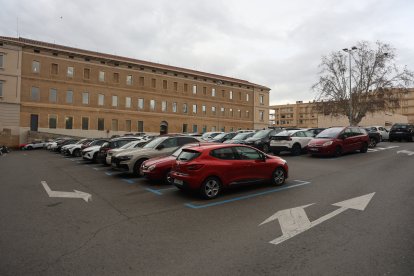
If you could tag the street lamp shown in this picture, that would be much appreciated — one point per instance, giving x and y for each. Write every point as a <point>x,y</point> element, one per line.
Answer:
<point>349,51</point>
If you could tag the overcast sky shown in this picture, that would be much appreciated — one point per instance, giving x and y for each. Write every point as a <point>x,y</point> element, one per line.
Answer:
<point>276,43</point>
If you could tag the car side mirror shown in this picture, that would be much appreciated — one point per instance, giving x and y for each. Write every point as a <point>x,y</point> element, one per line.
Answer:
<point>160,147</point>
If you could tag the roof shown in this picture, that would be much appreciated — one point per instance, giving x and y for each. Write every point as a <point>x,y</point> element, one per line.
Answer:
<point>71,50</point>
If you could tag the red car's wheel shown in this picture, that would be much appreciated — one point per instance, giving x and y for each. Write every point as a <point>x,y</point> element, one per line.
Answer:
<point>210,188</point>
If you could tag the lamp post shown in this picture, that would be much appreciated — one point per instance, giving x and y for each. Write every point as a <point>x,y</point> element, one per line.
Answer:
<point>349,51</point>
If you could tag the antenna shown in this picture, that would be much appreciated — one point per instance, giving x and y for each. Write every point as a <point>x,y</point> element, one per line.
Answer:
<point>17,27</point>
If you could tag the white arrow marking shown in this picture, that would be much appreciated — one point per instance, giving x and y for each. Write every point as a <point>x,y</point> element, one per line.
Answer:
<point>75,194</point>
<point>295,221</point>
<point>406,151</point>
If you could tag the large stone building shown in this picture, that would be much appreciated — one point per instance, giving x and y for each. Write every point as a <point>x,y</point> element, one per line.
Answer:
<point>58,89</point>
<point>304,115</point>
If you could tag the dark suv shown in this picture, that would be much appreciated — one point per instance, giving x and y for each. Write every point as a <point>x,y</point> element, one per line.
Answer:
<point>402,132</point>
<point>261,139</point>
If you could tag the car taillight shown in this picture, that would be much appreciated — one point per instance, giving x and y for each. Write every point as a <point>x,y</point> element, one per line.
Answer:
<point>195,167</point>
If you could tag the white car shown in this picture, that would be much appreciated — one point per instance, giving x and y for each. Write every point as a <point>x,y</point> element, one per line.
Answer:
<point>385,133</point>
<point>34,145</point>
<point>91,153</point>
<point>294,141</point>
<point>130,145</point>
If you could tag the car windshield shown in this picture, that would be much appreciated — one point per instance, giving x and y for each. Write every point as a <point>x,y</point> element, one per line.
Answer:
<point>241,136</point>
<point>152,144</point>
<point>219,136</point>
<point>286,133</point>
<point>205,135</point>
<point>129,145</point>
<point>330,132</point>
<point>262,133</point>
<point>188,155</point>
<point>399,126</point>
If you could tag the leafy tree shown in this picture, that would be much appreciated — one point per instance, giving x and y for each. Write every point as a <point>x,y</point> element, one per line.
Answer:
<point>377,82</point>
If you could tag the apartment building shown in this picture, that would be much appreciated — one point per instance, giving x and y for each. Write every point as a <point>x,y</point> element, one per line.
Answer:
<point>299,114</point>
<point>58,89</point>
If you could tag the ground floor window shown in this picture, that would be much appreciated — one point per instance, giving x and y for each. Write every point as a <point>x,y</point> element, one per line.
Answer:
<point>114,125</point>
<point>195,128</point>
<point>85,123</point>
<point>101,124</point>
<point>185,128</point>
<point>68,122</point>
<point>140,126</point>
<point>128,125</point>
<point>52,121</point>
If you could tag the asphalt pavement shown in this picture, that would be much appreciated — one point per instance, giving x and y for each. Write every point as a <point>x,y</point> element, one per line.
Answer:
<point>352,215</point>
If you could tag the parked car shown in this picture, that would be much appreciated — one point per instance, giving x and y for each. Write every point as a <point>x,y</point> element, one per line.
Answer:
<point>211,168</point>
<point>34,145</point>
<point>385,133</point>
<point>210,135</point>
<point>315,131</point>
<point>114,143</point>
<point>223,137</point>
<point>261,139</point>
<point>159,168</point>
<point>130,161</point>
<point>91,153</point>
<point>64,142</point>
<point>239,138</point>
<point>69,149</point>
<point>402,132</point>
<point>294,141</point>
<point>335,141</point>
<point>374,137</point>
<point>131,145</point>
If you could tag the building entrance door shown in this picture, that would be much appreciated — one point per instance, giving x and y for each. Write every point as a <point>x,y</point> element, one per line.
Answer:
<point>34,122</point>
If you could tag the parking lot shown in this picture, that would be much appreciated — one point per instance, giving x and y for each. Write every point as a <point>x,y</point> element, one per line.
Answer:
<point>123,225</point>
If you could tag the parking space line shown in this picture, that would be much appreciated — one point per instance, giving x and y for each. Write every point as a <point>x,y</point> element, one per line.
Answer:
<point>300,183</point>
<point>109,173</point>
<point>130,181</point>
<point>159,191</point>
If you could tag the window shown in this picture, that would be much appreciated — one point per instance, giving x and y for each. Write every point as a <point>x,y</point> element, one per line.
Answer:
<point>247,97</point>
<point>86,73</point>
<point>164,84</point>
<point>70,72</point>
<point>141,81</point>
<point>54,69</point>
<point>231,112</point>
<point>185,87</point>
<point>85,98</point>
<point>52,95</point>
<point>204,129</point>
<point>239,111</point>
<point>153,83</point>
<point>52,121</point>
<point>261,99</point>
<point>116,77</point>
<point>1,60</point>
<point>213,128</point>
<point>175,86</point>
<point>261,115</point>
<point>245,153</point>
<point>223,153</point>
<point>114,101</point>
<point>114,125</point>
<point>85,123</point>
<point>174,107</point>
<point>35,93</point>
<point>185,108</point>
<point>194,108</point>
<point>164,106</point>
<point>101,76</point>
<point>194,89</point>
<point>195,128</point>
<point>204,90</point>
<point>101,124</point>
<point>223,110</point>
<point>35,66</point>
<point>140,126</point>
<point>185,126</point>
<point>140,103</point>
<point>231,95</point>
<point>128,102</point>
<point>213,110</point>
<point>213,92</point>
<point>247,113</point>
<point>101,99</point>
<point>129,80</point>
<point>203,109</point>
<point>69,96</point>
<point>152,105</point>
<point>68,122</point>
<point>128,125</point>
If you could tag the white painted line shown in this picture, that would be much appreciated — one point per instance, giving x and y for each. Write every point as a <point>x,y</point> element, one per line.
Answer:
<point>406,151</point>
<point>295,221</point>
<point>393,147</point>
<point>75,194</point>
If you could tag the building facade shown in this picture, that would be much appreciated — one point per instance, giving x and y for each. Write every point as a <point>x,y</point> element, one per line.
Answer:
<point>63,90</point>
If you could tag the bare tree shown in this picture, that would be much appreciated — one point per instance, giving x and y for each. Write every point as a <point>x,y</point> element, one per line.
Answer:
<point>375,78</point>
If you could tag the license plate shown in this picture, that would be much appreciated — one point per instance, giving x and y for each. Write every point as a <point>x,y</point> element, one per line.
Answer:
<point>178,182</point>
<point>313,149</point>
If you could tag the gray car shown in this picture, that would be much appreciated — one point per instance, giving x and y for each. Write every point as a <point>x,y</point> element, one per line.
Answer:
<point>130,160</point>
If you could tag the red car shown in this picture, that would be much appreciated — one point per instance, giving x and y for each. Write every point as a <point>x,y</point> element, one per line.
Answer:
<point>210,168</point>
<point>159,168</point>
<point>335,141</point>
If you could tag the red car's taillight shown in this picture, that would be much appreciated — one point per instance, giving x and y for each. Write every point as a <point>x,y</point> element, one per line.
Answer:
<point>195,167</point>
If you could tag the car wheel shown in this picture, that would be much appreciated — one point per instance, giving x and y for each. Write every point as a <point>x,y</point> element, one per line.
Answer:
<point>95,157</point>
<point>364,148</point>
<point>372,142</point>
<point>137,167</point>
<point>29,147</point>
<point>390,140</point>
<point>265,148</point>
<point>279,176</point>
<point>338,151</point>
<point>168,179</point>
<point>296,149</point>
<point>77,153</point>
<point>210,188</point>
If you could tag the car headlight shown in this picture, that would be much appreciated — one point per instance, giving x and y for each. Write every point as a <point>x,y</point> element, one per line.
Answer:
<point>327,143</point>
<point>124,157</point>
<point>151,168</point>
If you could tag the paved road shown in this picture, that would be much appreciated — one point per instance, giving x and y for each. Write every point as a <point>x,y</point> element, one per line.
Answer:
<point>132,227</point>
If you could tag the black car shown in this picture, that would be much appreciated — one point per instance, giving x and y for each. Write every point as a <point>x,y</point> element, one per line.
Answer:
<point>402,132</point>
<point>261,139</point>
<point>374,137</point>
<point>65,142</point>
<point>239,138</point>
<point>223,137</point>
